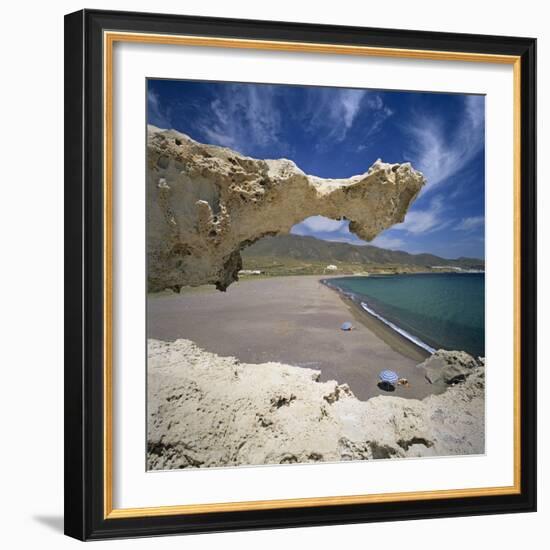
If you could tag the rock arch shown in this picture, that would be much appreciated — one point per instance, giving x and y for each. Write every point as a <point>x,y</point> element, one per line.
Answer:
<point>206,203</point>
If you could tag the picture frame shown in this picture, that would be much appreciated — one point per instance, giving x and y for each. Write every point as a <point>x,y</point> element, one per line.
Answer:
<point>90,36</point>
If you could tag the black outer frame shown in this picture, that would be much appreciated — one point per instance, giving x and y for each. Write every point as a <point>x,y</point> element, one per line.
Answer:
<point>84,517</point>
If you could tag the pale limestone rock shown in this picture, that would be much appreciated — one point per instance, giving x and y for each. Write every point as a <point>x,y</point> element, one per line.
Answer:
<point>206,203</point>
<point>445,368</point>
<point>205,411</point>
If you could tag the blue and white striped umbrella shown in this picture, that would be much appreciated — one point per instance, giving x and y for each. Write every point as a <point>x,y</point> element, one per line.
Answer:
<point>388,376</point>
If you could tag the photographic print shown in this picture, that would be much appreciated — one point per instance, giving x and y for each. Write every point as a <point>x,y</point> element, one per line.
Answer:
<point>315,274</point>
<point>276,237</point>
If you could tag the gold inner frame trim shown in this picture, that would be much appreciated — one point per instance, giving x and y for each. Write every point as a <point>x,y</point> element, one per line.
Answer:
<point>109,39</point>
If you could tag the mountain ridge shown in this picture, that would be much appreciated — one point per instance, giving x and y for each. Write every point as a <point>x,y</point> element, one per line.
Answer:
<point>310,249</point>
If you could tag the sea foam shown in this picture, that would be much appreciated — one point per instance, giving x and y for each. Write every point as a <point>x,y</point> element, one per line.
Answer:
<point>397,329</point>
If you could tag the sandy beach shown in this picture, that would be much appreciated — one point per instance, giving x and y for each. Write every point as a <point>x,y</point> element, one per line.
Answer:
<point>292,320</point>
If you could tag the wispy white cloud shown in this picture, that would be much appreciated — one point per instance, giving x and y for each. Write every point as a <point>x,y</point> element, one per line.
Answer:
<point>347,105</point>
<point>252,118</point>
<point>338,232</point>
<point>469,224</point>
<point>391,243</point>
<point>331,113</point>
<point>426,220</point>
<point>320,224</point>
<point>242,118</point>
<point>378,114</point>
<point>327,230</point>
<point>158,115</point>
<point>440,153</point>
<point>348,238</point>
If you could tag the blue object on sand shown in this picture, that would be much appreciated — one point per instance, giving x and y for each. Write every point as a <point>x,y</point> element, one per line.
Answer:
<point>389,377</point>
<point>346,326</point>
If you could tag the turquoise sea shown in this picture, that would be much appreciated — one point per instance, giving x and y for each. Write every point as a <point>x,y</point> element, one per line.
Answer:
<point>435,310</point>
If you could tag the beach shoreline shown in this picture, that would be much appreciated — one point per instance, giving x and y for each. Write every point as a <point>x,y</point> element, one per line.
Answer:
<point>394,339</point>
<point>293,320</point>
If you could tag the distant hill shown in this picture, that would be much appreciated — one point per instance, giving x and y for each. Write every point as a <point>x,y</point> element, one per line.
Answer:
<point>295,250</point>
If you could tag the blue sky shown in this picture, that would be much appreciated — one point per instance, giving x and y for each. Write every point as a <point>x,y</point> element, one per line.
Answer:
<point>340,132</point>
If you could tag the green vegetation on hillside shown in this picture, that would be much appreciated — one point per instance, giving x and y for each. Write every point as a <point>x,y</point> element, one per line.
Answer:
<point>297,255</point>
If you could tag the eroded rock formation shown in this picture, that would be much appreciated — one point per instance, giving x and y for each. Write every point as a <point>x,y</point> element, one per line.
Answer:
<point>445,368</point>
<point>206,203</point>
<point>205,410</point>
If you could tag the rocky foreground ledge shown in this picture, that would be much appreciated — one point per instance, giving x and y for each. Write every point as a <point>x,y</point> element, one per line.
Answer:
<point>206,411</point>
<point>207,203</point>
